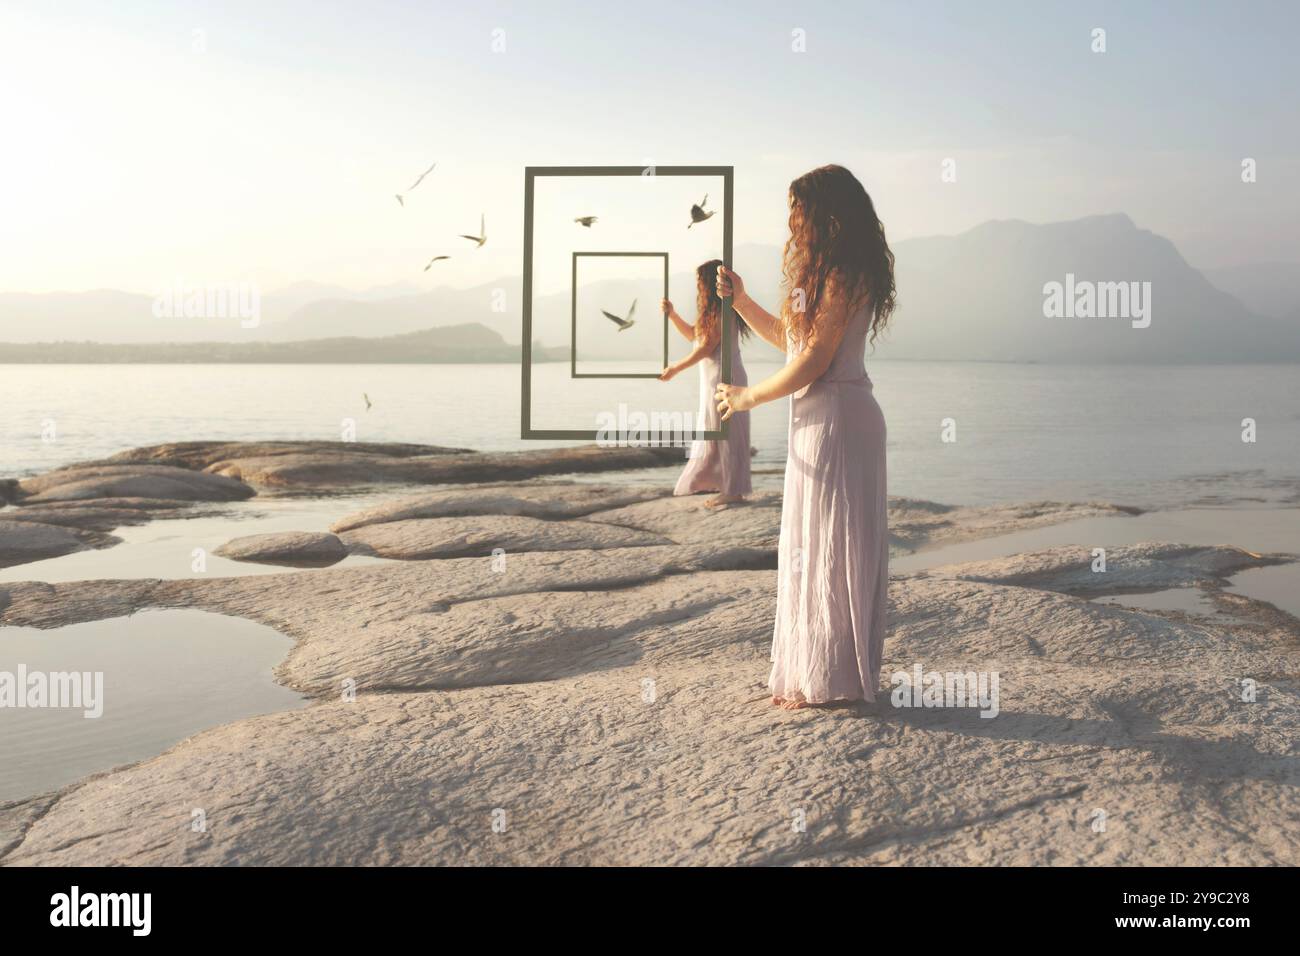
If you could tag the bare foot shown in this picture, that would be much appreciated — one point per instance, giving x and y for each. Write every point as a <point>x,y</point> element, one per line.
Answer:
<point>796,703</point>
<point>721,501</point>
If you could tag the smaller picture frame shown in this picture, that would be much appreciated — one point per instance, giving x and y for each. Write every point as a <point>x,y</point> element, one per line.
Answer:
<point>573,308</point>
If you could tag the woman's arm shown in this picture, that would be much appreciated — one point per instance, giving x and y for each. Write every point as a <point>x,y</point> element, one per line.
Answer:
<point>804,369</point>
<point>703,349</point>
<point>682,326</point>
<point>767,325</point>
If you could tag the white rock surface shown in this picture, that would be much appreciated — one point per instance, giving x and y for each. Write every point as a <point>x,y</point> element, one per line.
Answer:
<point>79,483</point>
<point>286,547</point>
<point>541,500</point>
<point>422,538</point>
<point>1147,566</point>
<point>24,541</point>
<point>609,705</point>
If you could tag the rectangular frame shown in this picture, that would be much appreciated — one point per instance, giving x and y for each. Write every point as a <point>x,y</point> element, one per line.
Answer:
<point>526,430</point>
<point>573,310</point>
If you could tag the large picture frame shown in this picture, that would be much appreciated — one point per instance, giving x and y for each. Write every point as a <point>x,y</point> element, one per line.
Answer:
<point>531,174</point>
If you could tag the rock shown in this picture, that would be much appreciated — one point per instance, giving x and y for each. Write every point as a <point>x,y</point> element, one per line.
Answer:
<point>200,455</point>
<point>633,728</point>
<point>540,500</point>
<point>914,524</point>
<point>611,702</point>
<point>1146,566</point>
<point>423,538</point>
<point>332,466</point>
<point>295,548</point>
<point>25,541</point>
<point>755,525</point>
<point>79,516</point>
<point>8,490</point>
<point>79,483</point>
<point>123,504</point>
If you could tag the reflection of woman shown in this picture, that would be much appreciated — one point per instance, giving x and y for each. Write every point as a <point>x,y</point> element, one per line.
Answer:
<point>833,563</point>
<point>721,465</point>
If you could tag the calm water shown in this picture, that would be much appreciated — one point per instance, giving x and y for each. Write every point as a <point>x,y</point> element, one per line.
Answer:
<point>165,675</point>
<point>1141,435</point>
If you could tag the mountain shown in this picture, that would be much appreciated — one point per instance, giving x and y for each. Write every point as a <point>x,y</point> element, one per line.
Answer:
<point>1268,288</point>
<point>405,313</point>
<point>466,343</point>
<point>105,315</point>
<point>974,296</point>
<point>980,296</point>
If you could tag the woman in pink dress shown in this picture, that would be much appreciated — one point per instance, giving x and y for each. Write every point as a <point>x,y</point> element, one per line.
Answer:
<point>720,465</point>
<point>833,562</point>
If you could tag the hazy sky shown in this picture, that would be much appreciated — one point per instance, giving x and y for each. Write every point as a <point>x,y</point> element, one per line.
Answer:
<point>263,141</point>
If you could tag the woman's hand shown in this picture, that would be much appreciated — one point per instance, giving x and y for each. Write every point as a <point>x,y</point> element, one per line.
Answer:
<point>666,306</point>
<point>730,285</point>
<point>667,374</point>
<point>732,399</point>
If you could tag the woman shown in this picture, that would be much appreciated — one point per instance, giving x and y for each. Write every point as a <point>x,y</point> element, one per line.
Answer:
<point>723,465</point>
<point>833,565</point>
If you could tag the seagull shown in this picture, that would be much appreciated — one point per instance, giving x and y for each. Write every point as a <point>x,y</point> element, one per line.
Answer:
<point>402,202</point>
<point>435,259</point>
<point>367,398</point>
<point>482,236</point>
<point>586,220</point>
<point>697,211</point>
<point>623,324</point>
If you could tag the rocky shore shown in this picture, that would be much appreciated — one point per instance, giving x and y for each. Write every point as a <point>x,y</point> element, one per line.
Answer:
<point>550,671</point>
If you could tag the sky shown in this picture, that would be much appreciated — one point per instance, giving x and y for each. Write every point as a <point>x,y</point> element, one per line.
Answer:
<point>263,142</point>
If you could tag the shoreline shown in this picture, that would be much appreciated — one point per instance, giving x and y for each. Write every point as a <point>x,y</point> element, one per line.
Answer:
<point>518,687</point>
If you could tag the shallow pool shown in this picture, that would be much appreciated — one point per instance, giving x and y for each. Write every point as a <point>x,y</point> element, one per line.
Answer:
<point>157,677</point>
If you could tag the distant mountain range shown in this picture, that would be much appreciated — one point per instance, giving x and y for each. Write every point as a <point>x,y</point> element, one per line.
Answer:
<point>1267,288</point>
<point>458,344</point>
<point>974,296</point>
<point>980,296</point>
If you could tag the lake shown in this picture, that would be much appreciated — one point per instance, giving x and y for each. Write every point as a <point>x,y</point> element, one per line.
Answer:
<point>1144,435</point>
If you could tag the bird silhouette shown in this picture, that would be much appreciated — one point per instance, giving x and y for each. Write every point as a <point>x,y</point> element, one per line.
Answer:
<point>586,220</point>
<point>400,200</point>
<point>623,324</point>
<point>697,211</point>
<point>482,229</point>
<point>435,259</point>
<point>367,398</point>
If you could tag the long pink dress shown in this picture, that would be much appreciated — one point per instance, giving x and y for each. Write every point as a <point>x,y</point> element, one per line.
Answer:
<point>720,465</point>
<point>833,560</point>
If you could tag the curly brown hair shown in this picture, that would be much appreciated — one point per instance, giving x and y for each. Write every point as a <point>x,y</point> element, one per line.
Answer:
<point>836,241</point>
<point>708,306</point>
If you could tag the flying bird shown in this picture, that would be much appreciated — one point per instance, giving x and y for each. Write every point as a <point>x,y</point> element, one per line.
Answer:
<point>482,229</point>
<point>697,211</point>
<point>586,220</point>
<point>435,259</point>
<point>623,324</point>
<point>367,398</point>
<point>400,200</point>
